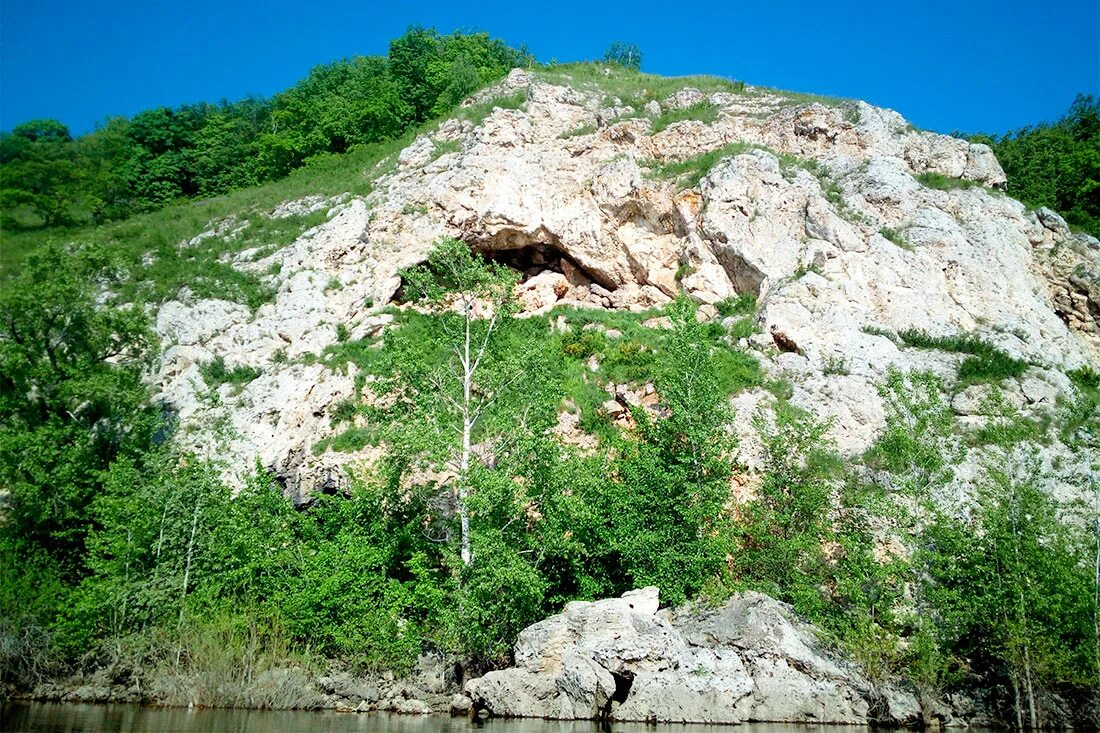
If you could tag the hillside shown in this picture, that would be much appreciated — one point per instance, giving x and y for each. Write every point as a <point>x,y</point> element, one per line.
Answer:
<point>725,340</point>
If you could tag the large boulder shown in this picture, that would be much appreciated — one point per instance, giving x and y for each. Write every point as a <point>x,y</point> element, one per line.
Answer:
<point>623,659</point>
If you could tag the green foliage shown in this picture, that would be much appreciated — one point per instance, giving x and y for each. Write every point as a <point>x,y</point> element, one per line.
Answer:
<point>941,182</point>
<point>742,305</point>
<point>71,398</point>
<point>1056,165</point>
<point>159,156</point>
<point>895,237</point>
<point>215,373</point>
<point>918,445</point>
<point>626,55</point>
<point>688,172</point>
<point>986,362</point>
<point>629,86</point>
<point>782,532</point>
<point>702,112</point>
<point>1011,590</point>
<point>666,513</point>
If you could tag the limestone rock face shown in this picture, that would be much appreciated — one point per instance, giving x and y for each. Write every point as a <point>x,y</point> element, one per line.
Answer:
<point>622,659</point>
<point>816,210</point>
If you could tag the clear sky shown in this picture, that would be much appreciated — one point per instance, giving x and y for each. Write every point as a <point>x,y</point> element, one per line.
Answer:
<point>944,64</point>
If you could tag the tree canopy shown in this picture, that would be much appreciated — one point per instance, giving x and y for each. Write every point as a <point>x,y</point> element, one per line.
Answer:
<point>1056,164</point>
<point>127,166</point>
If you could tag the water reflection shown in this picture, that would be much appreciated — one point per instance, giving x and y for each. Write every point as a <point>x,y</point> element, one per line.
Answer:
<point>72,718</point>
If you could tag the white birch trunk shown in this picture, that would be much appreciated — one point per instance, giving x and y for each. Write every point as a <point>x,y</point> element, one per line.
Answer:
<point>467,430</point>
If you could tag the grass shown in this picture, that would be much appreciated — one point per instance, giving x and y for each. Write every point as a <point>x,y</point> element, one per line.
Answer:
<point>742,305</point>
<point>630,87</point>
<point>985,363</point>
<point>445,147</point>
<point>476,113</point>
<point>702,112</point>
<point>796,98</point>
<point>577,132</point>
<point>896,237</point>
<point>941,182</point>
<point>690,171</point>
<point>148,245</point>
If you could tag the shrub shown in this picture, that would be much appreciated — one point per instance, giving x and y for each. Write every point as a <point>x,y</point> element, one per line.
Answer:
<point>215,373</point>
<point>895,237</point>
<point>742,305</point>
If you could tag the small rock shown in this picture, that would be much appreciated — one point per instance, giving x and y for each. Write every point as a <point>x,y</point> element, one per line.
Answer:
<point>613,408</point>
<point>412,707</point>
<point>461,705</point>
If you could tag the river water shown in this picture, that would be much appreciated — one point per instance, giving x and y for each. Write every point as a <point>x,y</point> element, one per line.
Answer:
<point>72,718</point>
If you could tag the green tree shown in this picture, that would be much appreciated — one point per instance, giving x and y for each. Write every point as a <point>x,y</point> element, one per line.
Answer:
<point>784,529</point>
<point>472,299</point>
<point>1058,164</point>
<point>627,55</point>
<point>664,506</point>
<point>71,397</point>
<point>1011,589</point>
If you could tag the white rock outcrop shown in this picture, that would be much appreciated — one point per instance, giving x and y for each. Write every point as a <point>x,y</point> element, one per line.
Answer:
<point>816,210</point>
<point>623,659</point>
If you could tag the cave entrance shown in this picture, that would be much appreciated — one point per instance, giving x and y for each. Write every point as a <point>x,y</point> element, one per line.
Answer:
<point>546,275</point>
<point>534,259</point>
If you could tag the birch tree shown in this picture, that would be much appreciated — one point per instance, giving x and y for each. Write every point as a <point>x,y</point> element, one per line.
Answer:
<point>471,300</point>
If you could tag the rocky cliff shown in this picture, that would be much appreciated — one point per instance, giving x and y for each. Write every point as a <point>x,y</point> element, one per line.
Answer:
<point>833,215</point>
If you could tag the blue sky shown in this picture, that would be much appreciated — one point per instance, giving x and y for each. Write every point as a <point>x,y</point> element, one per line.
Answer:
<point>978,65</point>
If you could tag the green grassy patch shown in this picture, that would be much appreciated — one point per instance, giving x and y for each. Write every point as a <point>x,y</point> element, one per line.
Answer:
<point>895,237</point>
<point>445,147</point>
<point>148,246</point>
<point>476,113</point>
<point>702,112</point>
<point>631,87</point>
<point>215,373</point>
<point>690,171</point>
<point>580,131</point>
<point>941,182</point>
<point>742,305</point>
<point>986,362</point>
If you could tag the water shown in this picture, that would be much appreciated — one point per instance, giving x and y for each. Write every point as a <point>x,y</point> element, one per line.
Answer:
<point>73,718</point>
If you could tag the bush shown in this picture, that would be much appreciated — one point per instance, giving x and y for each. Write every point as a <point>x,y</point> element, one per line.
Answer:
<point>215,373</point>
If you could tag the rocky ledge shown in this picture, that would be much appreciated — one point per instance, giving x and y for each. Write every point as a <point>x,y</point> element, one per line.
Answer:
<point>749,659</point>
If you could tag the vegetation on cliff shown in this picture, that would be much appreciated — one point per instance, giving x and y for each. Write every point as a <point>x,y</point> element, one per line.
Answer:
<point>510,480</point>
<point>122,545</point>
